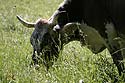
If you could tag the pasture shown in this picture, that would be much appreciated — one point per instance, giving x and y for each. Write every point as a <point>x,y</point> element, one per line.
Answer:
<point>74,63</point>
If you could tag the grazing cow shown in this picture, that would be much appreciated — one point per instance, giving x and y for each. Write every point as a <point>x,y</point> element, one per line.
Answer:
<point>105,20</point>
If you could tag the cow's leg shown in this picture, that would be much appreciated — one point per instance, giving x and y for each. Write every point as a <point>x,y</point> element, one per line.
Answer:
<point>114,47</point>
<point>117,56</point>
<point>118,61</point>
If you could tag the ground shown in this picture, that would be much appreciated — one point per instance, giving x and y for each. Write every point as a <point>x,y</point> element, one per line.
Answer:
<point>74,63</point>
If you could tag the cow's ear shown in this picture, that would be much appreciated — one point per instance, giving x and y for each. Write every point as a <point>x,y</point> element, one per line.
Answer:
<point>70,28</point>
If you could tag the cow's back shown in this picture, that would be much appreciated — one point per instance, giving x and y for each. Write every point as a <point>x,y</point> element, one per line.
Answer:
<point>97,13</point>
<point>89,11</point>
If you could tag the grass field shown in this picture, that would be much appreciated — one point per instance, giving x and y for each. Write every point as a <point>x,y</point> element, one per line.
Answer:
<point>74,63</point>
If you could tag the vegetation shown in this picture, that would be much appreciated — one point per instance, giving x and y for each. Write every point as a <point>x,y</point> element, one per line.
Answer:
<point>75,63</point>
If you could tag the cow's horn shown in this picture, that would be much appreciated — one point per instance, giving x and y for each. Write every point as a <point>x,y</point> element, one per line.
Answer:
<point>54,17</point>
<point>25,23</point>
<point>70,26</point>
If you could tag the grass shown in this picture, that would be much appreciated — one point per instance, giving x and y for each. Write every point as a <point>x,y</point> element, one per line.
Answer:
<point>74,63</point>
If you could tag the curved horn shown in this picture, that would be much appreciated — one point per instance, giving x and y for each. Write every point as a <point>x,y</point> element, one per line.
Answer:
<point>70,27</point>
<point>54,17</point>
<point>25,23</point>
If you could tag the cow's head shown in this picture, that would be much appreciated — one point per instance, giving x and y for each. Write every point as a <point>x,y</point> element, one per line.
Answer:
<point>42,39</point>
<point>40,30</point>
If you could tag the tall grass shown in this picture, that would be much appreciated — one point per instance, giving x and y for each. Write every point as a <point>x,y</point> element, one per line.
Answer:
<point>74,63</point>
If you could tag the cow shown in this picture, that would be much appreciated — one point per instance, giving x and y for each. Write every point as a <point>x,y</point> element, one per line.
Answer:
<point>81,20</point>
